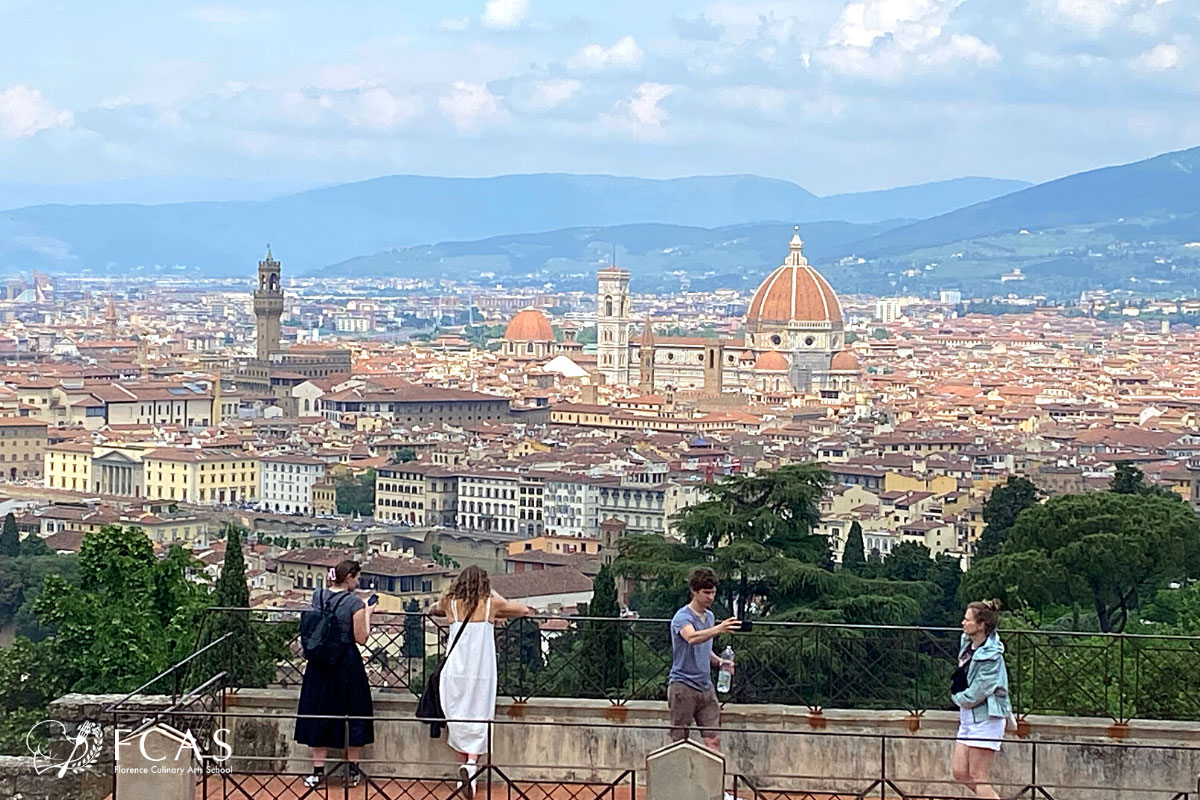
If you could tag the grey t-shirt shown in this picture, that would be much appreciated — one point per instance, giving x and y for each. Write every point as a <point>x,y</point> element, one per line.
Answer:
<point>343,609</point>
<point>691,664</point>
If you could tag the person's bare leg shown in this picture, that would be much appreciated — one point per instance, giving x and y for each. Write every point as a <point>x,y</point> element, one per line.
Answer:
<point>981,771</point>
<point>712,743</point>
<point>319,754</point>
<point>960,764</point>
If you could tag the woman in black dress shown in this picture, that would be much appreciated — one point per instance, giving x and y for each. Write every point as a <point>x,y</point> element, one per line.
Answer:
<point>338,689</point>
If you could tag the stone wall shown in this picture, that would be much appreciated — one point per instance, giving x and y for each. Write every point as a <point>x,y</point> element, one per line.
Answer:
<point>774,747</point>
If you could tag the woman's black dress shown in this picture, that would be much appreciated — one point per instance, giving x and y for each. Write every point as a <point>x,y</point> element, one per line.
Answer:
<point>338,689</point>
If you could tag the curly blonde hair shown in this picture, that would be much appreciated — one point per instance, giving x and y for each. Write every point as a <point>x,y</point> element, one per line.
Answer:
<point>472,586</point>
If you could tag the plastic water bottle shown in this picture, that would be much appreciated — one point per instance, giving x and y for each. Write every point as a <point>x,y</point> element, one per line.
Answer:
<point>725,676</point>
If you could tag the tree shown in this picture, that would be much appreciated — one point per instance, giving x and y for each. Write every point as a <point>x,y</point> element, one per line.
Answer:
<point>908,561</point>
<point>240,654</point>
<point>441,559</point>
<point>1003,506</point>
<point>356,494</point>
<point>130,617</point>
<point>601,653</point>
<point>1128,479</point>
<point>853,554</point>
<point>1100,550</point>
<point>10,539</point>
<point>414,631</point>
<point>402,455</point>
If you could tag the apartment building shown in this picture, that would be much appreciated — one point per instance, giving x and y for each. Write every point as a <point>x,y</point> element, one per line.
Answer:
<point>22,448</point>
<point>286,482</point>
<point>217,477</point>
<point>416,493</point>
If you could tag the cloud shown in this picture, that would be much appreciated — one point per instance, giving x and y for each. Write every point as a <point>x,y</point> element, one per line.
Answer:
<point>454,25</point>
<point>24,112</point>
<point>470,106</point>
<point>1159,58</point>
<point>699,29</point>
<point>504,15</point>
<point>887,40</point>
<point>640,115</point>
<point>227,15</point>
<point>1092,16</point>
<point>624,54</point>
<point>552,93</point>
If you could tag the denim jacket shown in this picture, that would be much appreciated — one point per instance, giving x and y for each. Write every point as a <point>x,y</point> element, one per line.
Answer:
<point>987,681</point>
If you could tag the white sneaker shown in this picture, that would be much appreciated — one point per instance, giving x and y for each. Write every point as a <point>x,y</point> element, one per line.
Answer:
<point>729,796</point>
<point>466,780</point>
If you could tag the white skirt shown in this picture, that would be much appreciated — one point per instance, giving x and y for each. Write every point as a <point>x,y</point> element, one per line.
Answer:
<point>985,735</point>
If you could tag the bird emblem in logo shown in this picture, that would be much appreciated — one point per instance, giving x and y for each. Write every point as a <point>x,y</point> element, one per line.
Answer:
<point>67,753</point>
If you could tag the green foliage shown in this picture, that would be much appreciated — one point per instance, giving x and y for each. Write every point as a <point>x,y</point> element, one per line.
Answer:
<point>356,495</point>
<point>240,655</point>
<point>600,640</point>
<point>10,545</point>
<point>1003,506</point>
<point>1099,550</point>
<point>441,559</point>
<point>403,455</point>
<point>414,631</point>
<point>1128,479</point>
<point>854,557</point>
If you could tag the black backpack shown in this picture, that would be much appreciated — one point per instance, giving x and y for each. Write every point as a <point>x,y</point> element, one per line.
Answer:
<point>322,634</point>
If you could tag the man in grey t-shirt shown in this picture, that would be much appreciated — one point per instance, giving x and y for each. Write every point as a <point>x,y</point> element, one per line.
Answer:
<point>691,696</point>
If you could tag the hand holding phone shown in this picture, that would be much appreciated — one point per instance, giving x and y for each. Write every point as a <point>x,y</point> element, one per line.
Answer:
<point>373,599</point>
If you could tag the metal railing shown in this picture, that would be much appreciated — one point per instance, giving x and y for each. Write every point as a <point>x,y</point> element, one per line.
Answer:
<point>818,666</point>
<point>872,765</point>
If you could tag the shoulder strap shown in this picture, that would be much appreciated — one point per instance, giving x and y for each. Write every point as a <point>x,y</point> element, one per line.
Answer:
<point>487,611</point>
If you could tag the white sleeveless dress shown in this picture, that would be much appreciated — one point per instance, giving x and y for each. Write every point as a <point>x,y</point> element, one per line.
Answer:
<point>468,683</point>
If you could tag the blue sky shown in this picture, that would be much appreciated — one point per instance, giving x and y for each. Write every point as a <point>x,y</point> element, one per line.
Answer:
<point>834,95</point>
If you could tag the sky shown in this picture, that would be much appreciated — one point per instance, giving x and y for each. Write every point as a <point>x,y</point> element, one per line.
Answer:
<point>243,98</point>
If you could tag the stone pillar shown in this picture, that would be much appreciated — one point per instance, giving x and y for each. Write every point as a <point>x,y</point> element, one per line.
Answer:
<point>158,764</point>
<point>685,771</point>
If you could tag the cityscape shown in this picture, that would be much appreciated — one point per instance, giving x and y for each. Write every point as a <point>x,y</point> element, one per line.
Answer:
<point>694,428</point>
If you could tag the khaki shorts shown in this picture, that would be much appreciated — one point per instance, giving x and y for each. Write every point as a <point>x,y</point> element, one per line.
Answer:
<point>688,705</point>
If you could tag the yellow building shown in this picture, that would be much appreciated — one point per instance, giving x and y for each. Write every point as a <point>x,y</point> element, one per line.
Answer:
<point>911,482</point>
<point>549,543</point>
<point>200,476</point>
<point>69,466</point>
<point>22,447</point>
<point>324,499</point>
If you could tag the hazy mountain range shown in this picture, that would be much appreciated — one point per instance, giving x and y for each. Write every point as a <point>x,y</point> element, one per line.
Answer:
<point>315,228</point>
<point>1108,225</point>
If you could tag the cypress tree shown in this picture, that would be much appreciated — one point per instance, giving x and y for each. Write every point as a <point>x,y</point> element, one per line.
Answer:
<point>854,555</point>
<point>10,539</point>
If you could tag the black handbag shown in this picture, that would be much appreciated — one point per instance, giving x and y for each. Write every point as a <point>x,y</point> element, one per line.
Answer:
<point>429,706</point>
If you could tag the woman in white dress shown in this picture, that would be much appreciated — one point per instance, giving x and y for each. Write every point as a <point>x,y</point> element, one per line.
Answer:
<point>468,682</point>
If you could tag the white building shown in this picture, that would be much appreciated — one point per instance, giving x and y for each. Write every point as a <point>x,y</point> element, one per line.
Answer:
<point>487,501</point>
<point>888,309</point>
<point>286,482</point>
<point>572,505</point>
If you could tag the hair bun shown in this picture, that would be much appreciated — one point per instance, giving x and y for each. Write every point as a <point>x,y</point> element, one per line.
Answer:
<point>993,604</point>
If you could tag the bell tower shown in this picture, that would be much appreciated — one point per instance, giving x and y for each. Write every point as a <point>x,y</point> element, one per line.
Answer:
<point>612,324</point>
<point>646,359</point>
<point>268,307</point>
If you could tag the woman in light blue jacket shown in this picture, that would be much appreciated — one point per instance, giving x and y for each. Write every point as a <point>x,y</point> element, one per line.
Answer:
<point>980,690</point>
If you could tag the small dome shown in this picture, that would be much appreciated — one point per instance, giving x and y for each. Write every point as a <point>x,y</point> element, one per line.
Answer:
<point>772,361</point>
<point>844,360</point>
<point>529,325</point>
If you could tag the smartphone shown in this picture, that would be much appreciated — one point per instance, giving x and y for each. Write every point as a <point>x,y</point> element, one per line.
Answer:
<point>373,599</point>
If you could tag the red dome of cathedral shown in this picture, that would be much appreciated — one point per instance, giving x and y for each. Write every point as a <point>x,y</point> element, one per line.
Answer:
<point>794,292</point>
<point>845,361</point>
<point>529,325</point>
<point>772,361</point>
